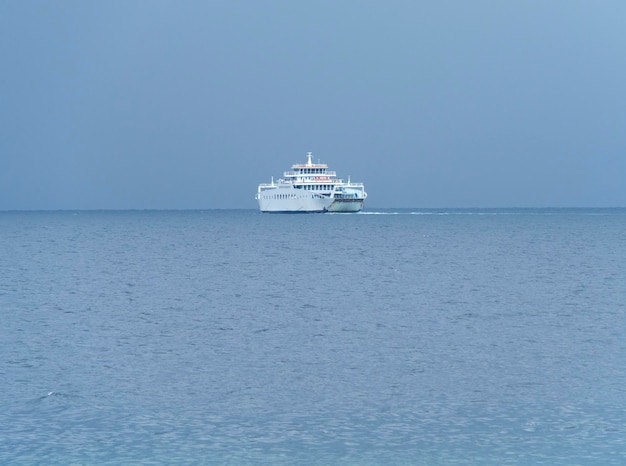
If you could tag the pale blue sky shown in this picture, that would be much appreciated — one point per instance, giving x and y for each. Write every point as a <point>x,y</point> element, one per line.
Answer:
<point>190,104</point>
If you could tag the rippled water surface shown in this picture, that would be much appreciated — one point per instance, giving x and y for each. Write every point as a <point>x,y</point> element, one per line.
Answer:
<point>391,337</point>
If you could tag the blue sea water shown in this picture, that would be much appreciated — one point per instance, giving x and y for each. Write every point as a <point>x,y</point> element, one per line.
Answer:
<point>415,337</point>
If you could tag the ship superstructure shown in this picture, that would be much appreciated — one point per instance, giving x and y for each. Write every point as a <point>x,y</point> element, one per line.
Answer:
<point>310,187</point>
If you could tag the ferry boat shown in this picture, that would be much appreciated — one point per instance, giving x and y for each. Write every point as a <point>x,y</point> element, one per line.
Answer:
<point>310,187</point>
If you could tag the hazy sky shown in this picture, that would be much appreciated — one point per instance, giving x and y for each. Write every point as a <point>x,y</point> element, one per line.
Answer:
<point>190,104</point>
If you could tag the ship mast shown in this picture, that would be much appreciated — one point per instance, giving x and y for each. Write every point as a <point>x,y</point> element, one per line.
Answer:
<point>309,155</point>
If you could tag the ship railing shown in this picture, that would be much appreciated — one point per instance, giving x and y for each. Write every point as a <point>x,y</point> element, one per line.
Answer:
<point>337,181</point>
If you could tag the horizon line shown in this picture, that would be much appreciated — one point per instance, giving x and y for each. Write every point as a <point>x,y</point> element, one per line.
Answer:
<point>198,209</point>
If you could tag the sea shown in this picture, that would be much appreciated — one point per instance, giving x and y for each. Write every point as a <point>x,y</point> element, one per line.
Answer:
<point>387,337</point>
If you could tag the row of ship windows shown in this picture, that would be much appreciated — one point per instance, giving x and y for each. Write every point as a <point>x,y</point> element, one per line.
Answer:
<point>315,187</point>
<point>314,171</point>
<point>285,196</point>
<point>301,196</point>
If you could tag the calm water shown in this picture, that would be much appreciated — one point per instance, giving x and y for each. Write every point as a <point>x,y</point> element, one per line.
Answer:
<point>392,337</point>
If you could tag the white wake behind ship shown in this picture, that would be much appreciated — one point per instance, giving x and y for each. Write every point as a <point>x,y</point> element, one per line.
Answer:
<point>310,187</point>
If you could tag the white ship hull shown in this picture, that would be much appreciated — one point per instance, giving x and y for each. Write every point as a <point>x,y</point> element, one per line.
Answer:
<point>346,205</point>
<point>310,188</point>
<point>296,202</point>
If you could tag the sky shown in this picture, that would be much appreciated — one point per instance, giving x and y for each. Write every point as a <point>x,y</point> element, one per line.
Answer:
<point>151,104</point>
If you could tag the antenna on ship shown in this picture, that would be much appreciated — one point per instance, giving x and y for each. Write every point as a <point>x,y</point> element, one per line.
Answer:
<point>309,155</point>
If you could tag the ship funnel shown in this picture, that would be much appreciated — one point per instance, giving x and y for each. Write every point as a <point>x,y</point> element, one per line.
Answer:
<point>309,155</point>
